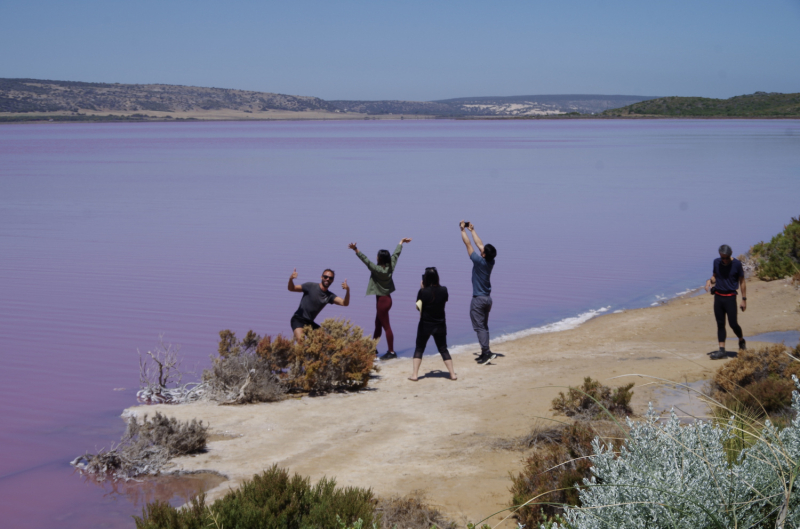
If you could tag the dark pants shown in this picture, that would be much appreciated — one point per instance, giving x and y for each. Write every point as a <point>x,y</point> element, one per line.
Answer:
<point>479,310</point>
<point>298,322</point>
<point>726,305</point>
<point>382,306</point>
<point>439,337</point>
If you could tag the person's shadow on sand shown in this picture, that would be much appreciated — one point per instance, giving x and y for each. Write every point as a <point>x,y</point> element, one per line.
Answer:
<point>436,373</point>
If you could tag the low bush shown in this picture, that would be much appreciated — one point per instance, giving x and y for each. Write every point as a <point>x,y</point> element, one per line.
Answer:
<point>759,380</point>
<point>780,257</point>
<point>411,512</point>
<point>241,375</point>
<point>550,476</point>
<point>335,356</point>
<point>593,398</point>
<point>270,500</point>
<point>145,448</point>
<point>669,475</point>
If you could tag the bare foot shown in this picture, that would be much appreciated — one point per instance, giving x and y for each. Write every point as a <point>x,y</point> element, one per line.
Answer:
<point>453,376</point>
<point>413,379</point>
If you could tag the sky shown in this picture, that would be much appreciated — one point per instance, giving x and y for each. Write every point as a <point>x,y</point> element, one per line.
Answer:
<point>411,50</point>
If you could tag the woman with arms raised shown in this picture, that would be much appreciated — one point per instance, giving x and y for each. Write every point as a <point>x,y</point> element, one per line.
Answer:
<point>381,286</point>
<point>431,299</point>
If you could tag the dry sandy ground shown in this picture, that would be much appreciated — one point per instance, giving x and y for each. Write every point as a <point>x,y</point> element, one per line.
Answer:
<point>437,435</point>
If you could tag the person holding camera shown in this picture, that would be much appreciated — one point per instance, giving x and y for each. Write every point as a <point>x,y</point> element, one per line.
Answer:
<point>381,286</point>
<point>315,297</point>
<point>481,305</point>
<point>726,277</point>
<point>431,300</point>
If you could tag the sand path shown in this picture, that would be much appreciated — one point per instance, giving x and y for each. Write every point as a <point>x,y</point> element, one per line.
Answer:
<point>437,435</point>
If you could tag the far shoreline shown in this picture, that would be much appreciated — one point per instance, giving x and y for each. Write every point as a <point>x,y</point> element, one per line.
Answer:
<point>233,116</point>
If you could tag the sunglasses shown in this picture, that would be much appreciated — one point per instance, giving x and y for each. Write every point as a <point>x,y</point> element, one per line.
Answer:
<point>329,278</point>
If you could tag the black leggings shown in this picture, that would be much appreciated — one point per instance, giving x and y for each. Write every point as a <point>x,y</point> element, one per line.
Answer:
<point>726,305</point>
<point>439,337</point>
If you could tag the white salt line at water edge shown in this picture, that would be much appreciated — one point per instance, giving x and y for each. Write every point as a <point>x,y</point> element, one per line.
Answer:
<point>562,325</point>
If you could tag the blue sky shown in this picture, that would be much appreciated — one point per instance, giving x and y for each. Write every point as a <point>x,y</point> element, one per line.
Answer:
<point>414,50</point>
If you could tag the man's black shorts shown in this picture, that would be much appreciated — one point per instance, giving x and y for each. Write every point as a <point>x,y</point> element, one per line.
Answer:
<point>298,322</point>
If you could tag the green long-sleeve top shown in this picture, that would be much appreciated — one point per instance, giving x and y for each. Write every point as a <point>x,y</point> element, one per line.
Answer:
<point>380,279</point>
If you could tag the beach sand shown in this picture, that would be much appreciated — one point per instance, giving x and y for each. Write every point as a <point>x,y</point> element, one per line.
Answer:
<point>438,436</point>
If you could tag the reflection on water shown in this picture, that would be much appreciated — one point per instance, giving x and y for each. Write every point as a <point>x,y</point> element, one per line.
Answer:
<point>173,489</point>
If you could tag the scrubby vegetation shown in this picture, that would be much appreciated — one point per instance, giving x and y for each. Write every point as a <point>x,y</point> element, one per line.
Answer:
<point>337,356</point>
<point>241,375</point>
<point>669,475</point>
<point>759,104</point>
<point>560,454</point>
<point>410,512</point>
<point>593,398</point>
<point>271,500</point>
<point>145,448</point>
<point>780,257</point>
<point>758,381</point>
<point>549,475</point>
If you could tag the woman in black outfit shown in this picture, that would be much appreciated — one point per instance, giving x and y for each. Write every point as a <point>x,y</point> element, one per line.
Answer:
<point>432,321</point>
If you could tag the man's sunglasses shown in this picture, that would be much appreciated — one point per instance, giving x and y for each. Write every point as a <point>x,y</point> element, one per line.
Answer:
<point>329,278</point>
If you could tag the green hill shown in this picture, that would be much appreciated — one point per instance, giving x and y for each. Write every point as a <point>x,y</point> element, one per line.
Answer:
<point>760,104</point>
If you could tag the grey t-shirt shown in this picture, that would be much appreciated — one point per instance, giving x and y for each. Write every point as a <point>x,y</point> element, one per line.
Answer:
<point>481,274</point>
<point>313,301</point>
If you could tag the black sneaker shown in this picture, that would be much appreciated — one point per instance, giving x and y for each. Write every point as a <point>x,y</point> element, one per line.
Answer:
<point>719,355</point>
<point>485,359</point>
<point>742,345</point>
<point>391,355</point>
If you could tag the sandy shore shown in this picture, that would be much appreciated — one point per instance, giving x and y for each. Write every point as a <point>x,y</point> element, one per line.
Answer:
<point>437,435</point>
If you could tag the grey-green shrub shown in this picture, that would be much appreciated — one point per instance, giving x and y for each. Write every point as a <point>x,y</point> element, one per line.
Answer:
<point>671,476</point>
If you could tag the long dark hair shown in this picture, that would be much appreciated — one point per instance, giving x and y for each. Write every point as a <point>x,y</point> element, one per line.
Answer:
<point>384,258</point>
<point>430,278</point>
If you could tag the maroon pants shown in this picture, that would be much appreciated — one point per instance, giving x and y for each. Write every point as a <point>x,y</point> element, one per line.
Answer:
<point>383,304</point>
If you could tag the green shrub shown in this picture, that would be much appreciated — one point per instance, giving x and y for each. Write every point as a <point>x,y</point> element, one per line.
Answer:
<point>550,477</point>
<point>780,257</point>
<point>668,475</point>
<point>271,500</point>
<point>592,398</point>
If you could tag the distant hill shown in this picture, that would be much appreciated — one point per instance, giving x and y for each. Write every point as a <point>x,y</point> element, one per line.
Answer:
<point>760,104</point>
<point>534,105</point>
<point>33,95</point>
<point>541,104</point>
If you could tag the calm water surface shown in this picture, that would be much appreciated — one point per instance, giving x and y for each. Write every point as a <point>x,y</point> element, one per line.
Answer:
<point>112,234</point>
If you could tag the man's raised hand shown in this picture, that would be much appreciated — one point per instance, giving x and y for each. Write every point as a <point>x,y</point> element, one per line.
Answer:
<point>353,246</point>
<point>344,285</point>
<point>405,240</point>
<point>294,274</point>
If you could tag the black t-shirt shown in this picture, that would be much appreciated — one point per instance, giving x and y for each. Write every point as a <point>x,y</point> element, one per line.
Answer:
<point>313,301</point>
<point>727,275</point>
<point>433,299</point>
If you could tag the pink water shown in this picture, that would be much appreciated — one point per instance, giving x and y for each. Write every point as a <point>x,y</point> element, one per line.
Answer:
<point>111,234</point>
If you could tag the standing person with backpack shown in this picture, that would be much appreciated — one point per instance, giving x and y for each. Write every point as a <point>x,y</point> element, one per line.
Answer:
<point>431,300</point>
<point>481,305</point>
<point>726,277</point>
<point>381,286</point>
